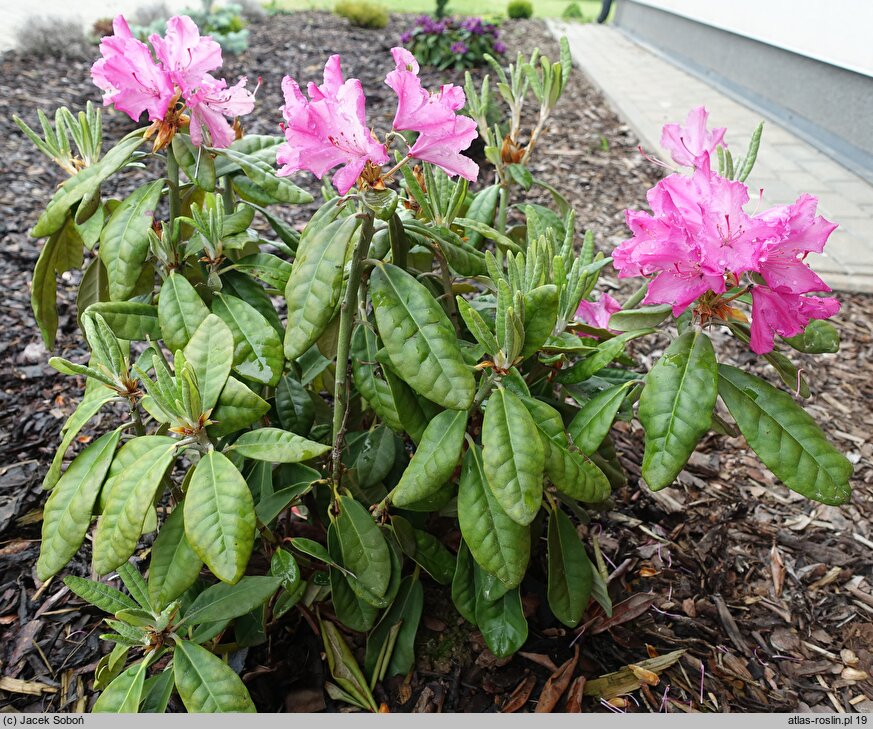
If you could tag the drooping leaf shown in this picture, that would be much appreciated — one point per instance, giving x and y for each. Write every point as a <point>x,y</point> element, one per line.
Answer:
<point>220,517</point>
<point>257,350</point>
<point>785,437</point>
<point>463,584</point>
<point>61,252</point>
<point>405,611</point>
<point>156,692</point>
<point>364,551</point>
<point>263,174</point>
<point>419,339</point>
<point>196,162</point>
<point>294,406</point>
<point>174,565</point>
<point>676,406</point>
<point>540,316</point>
<point>570,571</point>
<point>206,684</point>
<point>128,319</point>
<point>424,549</point>
<point>502,623</point>
<point>107,598</point>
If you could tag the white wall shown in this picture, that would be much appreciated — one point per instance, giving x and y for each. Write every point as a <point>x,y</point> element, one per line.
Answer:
<point>839,32</point>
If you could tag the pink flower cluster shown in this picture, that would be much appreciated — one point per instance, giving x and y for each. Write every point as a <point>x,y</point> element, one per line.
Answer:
<point>135,81</point>
<point>329,129</point>
<point>699,240</point>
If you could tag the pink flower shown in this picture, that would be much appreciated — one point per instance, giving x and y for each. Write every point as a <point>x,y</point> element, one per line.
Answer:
<point>784,313</point>
<point>789,233</point>
<point>689,145</point>
<point>329,129</point>
<point>597,313</point>
<point>129,77</point>
<point>186,55</point>
<point>209,106</point>
<point>443,134</point>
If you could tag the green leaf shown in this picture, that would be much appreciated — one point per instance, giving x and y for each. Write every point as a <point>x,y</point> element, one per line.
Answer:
<point>269,507</point>
<point>220,517</point>
<point>352,611</point>
<point>257,350</point>
<point>134,478</point>
<point>128,319</point>
<point>376,457</point>
<point>570,571</point>
<point>502,623</point>
<point>136,586</point>
<point>271,269</point>
<point>237,408</point>
<point>499,544</point>
<point>54,257</point>
<point>277,446</point>
<point>628,320</point>
<point>224,602</point>
<point>93,288</point>
<point>107,598</point>
<point>572,472</point>
<point>180,311</point>
<point>482,210</point>
<point>364,551</point>
<point>206,684</point>
<point>264,175</point>
<point>313,549</point>
<point>513,456</point>
<point>209,353</point>
<point>591,424</point>
<point>294,406</point>
<point>81,415</point>
<point>174,566</point>
<point>344,668</point>
<point>597,360</point>
<point>435,458</point>
<point>284,566</point>
<point>478,327</point>
<point>463,584</point>
<point>67,513</point>
<point>374,389</point>
<point>425,550</point>
<point>123,695</point>
<point>84,182</point>
<point>124,241</point>
<point>157,692</point>
<point>405,611</point>
<point>785,437</point>
<point>540,316</point>
<point>419,339</point>
<point>197,163</point>
<point>819,337</point>
<point>315,286</point>
<point>676,406</point>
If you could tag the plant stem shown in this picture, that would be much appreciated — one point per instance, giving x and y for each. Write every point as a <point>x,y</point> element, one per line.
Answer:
<point>446,279</point>
<point>503,202</point>
<point>227,196</point>
<point>347,318</point>
<point>173,179</point>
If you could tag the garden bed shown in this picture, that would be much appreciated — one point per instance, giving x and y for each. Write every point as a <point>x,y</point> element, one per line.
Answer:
<point>761,588</point>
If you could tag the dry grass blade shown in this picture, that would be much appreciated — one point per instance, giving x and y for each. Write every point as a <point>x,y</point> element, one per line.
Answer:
<point>19,686</point>
<point>626,680</point>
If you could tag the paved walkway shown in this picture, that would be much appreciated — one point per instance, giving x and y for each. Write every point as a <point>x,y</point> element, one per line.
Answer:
<point>648,91</point>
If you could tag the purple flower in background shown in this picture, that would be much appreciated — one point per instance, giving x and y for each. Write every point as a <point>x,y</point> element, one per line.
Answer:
<point>473,25</point>
<point>459,47</point>
<point>406,37</point>
<point>492,30</point>
<point>499,47</point>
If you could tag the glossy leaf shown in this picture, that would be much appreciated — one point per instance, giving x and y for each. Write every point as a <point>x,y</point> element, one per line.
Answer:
<point>364,551</point>
<point>819,337</point>
<point>124,240</point>
<point>206,684</point>
<point>785,437</point>
<point>419,339</point>
<point>61,252</point>
<point>67,513</point>
<point>604,354</point>
<point>676,406</point>
<point>499,544</point>
<point>294,406</point>
<point>540,316</point>
<point>197,163</point>
<point>237,408</point>
<point>225,602</point>
<point>628,320</point>
<point>209,353</point>
<point>264,175</point>
<point>134,478</point>
<point>174,565</point>
<point>220,517</point>
<point>257,349</point>
<point>570,571</point>
<point>373,388</point>
<point>424,549</point>
<point>123,695</point>
<point>591,424</point>
<point>376,457</point>
<point>277,446</point>
<point>513,456</point>
<point>405,611</point>
<point>315,285</point>
<point>180,311</point>
<point>435,458</point>
<point>157,691</point>
<point>107,598</point>
<point>463,584</point>
<point>502,623</point>
<point>129,319</point>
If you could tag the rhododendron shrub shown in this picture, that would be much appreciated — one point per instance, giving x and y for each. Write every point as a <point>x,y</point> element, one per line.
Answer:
<point>418,386</point>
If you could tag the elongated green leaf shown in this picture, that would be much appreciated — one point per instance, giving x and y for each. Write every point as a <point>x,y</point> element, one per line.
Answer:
<point>375,459</point>
<point>568,468</point>
<point>220,517</point>
<point>819,337</point>
<point>284,566</point>
<point>225,602</point>
<point>271,269</point>
<point>207,684</point>
<point>180,311</point>
<point>434,460</point>
<point>513,456</point>
<point>107,598</point>
<point>156,692</point>
<point>627,320</point>
<point>425,550</point>
<point>313,549</point>
<point>602,356</point>
<point>364,552</point>
<point>344,668</point>
<point>419,339</point>
<point>84,182</point>
<point>209,352</point>
<point>540,316</point>
<point>316,282</point>
<point>277,446</point>
<point>93,288</point>
<point>134,478</point>
<point>123,695</point>
<point>237,408</point>
<point>785,437</point>
<point>197,163</point>
<point>482,210</point>
<point>477,326</point>
<point>502,623</point>
<point>463,584</point>
<point>591,424</point>
<point>499,544</point>
<point>257,350</point>
<point>676,406</point>
<point>61,252</point>
<point>67,512</point>
<point>136,586</point>
<point>129,319</point>
<point>294,406</point>
<point>264,175</point>
<point>570,571</point>
<point>124,241</point>
<point>406,612</point>
<point>351,610</point>
<point>174,566</point>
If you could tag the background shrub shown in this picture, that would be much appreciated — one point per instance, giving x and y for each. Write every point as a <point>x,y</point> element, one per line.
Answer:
<point>572,12</point>
<point>53,38</point>
<point>225,24</point>
<point>519,9</point>
<point>362,14</point>
<point>452,42</point>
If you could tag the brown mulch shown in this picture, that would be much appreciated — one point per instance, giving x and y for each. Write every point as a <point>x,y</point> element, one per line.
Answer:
<point>768,594</point>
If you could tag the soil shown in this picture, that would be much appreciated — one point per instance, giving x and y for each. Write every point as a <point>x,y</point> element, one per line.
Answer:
<point>767,594</point>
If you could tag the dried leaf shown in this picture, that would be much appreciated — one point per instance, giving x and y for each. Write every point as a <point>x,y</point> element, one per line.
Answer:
<point>556,684</point>
<point>518,698</point>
